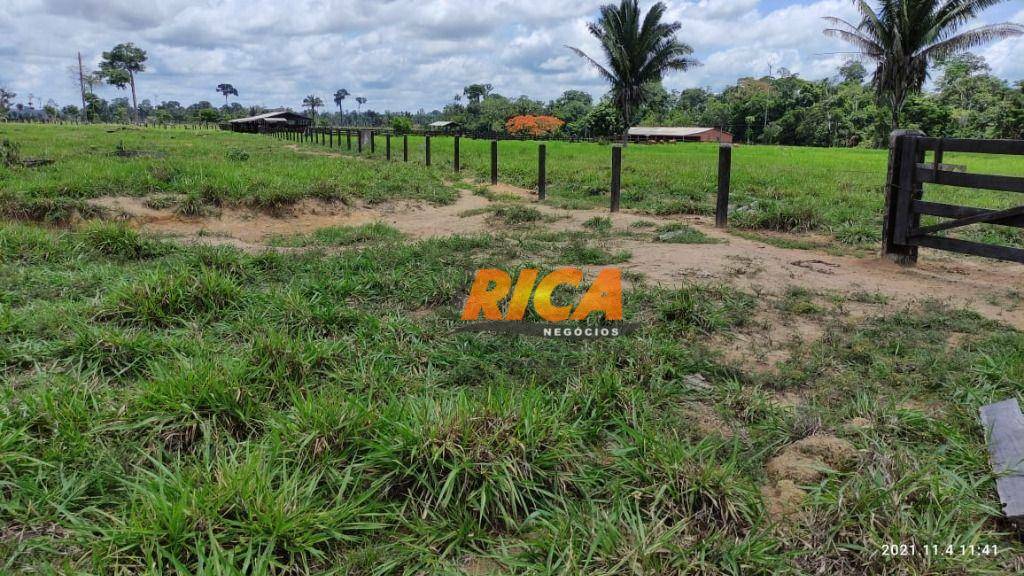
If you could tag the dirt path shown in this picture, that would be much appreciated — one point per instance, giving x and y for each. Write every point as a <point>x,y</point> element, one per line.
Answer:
<point>988,287</point>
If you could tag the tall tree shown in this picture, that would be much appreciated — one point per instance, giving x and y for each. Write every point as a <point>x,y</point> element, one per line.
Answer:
<point>6,96</point>
<point>904,37</point>
<point>227,90</point>
<point>477,92</point>
<point>360,100</point>
<point>853,72</point>
<point>639,50</point>
<point>121,64</point>
<point>339,97</point>
<point>312,102</point>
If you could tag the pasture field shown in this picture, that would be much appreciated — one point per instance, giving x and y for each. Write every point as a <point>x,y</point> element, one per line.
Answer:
<point>310,407</point>
<point>831,192</point>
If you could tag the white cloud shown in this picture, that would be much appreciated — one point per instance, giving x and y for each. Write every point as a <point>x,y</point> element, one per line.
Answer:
<point>401,54</point>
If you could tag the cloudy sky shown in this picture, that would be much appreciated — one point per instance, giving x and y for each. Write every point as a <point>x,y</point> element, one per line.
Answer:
<point>404,54</point>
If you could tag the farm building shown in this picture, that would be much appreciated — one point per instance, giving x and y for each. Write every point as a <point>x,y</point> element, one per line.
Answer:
<point>678,134</point>
<point>275,121</point>
<point>444,126</point>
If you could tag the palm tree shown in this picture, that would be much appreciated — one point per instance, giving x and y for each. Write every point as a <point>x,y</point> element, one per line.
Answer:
<point>903,37</point>
<point>360,100</point>
<point>339,97</point>
<point>312,102</point>
<point>639,50</point>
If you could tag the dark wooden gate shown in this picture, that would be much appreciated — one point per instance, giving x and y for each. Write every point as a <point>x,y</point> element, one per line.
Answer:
<point>909,172</point>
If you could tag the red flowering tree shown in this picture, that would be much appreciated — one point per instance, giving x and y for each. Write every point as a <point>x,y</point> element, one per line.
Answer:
<point>529,125</point>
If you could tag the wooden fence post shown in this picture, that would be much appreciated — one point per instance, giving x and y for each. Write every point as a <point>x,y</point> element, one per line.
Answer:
<point>331,137</point>
<point>494,162</point>
<point>456,161</point>
<point>348,139</point>
<point>428,149</point>
<point>387,146</point>
<point>542,171</point>
<point>724,179</point>
<point>405,148</point>
<point>359,142</point>
<point>616,176</point>
<point>373,143</point>
<point>897,192</point>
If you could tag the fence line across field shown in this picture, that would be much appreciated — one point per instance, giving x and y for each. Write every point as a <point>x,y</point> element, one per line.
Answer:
<point>366,138</point>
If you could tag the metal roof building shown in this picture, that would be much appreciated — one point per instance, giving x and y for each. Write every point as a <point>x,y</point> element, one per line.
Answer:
<point>443,126</point>
<point>273,121</point>
<point>678,134</point>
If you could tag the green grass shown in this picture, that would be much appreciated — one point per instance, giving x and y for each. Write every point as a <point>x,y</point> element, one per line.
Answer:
<point>191,409</point>
<point>205,168</point>
<point>340,236</point>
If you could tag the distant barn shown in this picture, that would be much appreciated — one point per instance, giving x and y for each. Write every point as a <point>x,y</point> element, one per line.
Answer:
<point>276,121</point>
<point>444,126</point>
<point>678,134</point>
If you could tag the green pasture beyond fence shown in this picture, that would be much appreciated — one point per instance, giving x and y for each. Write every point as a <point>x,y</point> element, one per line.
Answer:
<point>668,178</point>
<point>776,187</point>
<point>838,192</point>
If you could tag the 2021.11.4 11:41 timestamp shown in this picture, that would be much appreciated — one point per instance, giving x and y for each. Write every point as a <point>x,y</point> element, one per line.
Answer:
<point>902,550</point>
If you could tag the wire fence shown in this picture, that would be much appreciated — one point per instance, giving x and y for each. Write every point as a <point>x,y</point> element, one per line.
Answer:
<point>585,171</point>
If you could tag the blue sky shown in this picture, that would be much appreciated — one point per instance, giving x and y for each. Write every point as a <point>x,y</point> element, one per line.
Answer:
<point>405,54</point>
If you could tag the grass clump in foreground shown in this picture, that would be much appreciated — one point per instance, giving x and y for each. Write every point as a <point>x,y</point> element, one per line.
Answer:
<point>171,408</point>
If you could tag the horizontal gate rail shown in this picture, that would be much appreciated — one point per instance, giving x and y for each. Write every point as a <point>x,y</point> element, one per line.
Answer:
<point>967,247</point>
<point>1009,147</point>
<point>966,180</point>
<point>954,211</point>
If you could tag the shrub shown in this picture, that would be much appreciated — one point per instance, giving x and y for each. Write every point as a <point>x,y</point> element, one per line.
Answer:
<point>401,125</point>
<point>10,153</point>
<point>238,155</point>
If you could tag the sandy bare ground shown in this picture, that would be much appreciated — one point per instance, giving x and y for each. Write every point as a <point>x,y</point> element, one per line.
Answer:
<point>988,287</point>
